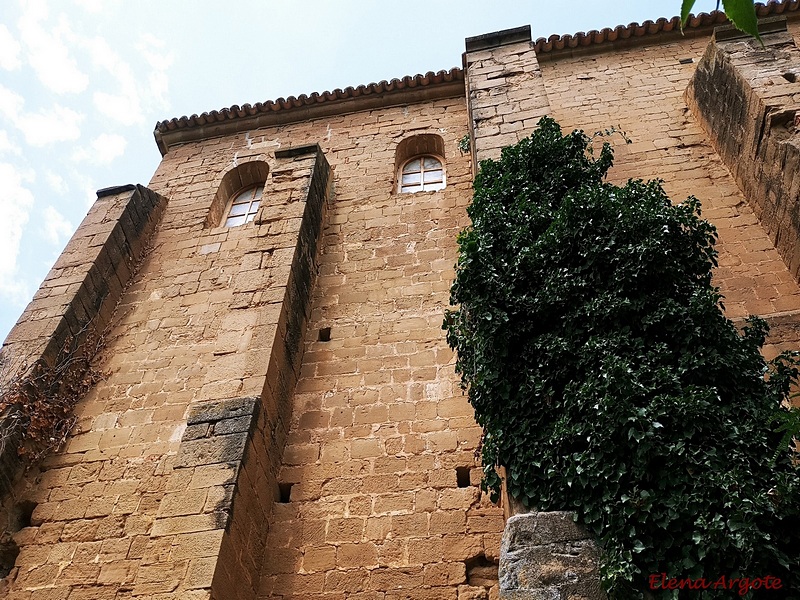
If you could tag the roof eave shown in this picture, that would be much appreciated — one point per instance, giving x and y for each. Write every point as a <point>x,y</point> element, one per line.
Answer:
<point>236,120</point>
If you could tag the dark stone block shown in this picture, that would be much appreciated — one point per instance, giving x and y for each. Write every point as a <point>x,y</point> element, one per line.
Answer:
<point>548,555</point>
<point>298,151</point>
<point>211,412</point>
<point>498,38</point>
<point>539,594</point>
<point>114,190</point>
<point>212,450</point>
<point>535,529</point>
<point>236,425</point>
<point>196,432</point>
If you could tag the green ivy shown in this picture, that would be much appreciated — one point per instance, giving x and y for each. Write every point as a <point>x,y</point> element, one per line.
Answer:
<point>742,13</point>
<point>607,379</point>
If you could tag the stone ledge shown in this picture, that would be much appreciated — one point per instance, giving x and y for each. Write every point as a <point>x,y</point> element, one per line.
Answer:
<point>212,412</point>
<point>499,38</point>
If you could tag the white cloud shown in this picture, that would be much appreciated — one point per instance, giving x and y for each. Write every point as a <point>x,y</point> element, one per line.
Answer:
<point>55,226</point>
<point>56,182</point>
<point>6,145</point>
<point>134,93</point>
<point>9,50</point>
<point>124,108</point>
<point>11,103</point>
<point>87,187</point>
<point>91,6</point>
<point>152,50</point>
<point>102,150</point>
<point>45,127</point>
<point>15,204</point>
<point>47,51</point>
<point>125,105</point>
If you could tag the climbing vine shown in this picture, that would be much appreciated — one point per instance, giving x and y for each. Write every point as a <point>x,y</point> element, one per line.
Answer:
<point>595,351</point>
<point>36,402</point>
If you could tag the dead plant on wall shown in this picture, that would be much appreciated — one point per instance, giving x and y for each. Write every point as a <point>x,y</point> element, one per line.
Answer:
<point>37,401</point>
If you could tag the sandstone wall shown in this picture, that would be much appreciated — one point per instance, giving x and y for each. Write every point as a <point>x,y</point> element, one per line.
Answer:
<point>380,464</point>
<point>46,356</point>
<point>378,489</point>
<point>756,137</point>
<point>280,417</point>
<point>641,92</point>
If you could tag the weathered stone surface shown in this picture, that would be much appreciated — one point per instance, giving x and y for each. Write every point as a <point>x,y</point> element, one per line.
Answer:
<point>208,451</point>
<point>745,98</point>
<point>547,555</point>
<point>505,91</point>
<point>209,412</point>
<point>71,311</point>
<point>522,531</point>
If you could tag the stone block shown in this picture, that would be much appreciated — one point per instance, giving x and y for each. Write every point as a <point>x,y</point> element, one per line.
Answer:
<point>212,450</point>
<point>546,555</point>
<point>537,529</point>
<point>210,412</point>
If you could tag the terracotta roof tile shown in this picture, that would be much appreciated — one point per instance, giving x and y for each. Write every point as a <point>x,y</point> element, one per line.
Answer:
<point>554,43</point>
<point>246,110</point>
<point>662,25</point>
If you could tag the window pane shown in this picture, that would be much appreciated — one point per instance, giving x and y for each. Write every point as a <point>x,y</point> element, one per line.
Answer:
<point>244,206</point>
<point>411,166</point>
<point>234,221</point>
<point>243,197</point>
<point>432,163</point>
<point>238,209</point>
<point>424,173</point>
<point>431,176</point>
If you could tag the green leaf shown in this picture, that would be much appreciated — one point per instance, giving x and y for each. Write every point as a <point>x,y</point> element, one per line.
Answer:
<point>742,14</point>
<point>686,10</point>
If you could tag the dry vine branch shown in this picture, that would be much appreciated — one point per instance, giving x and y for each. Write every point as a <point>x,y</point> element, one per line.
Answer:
<point>36,401</point>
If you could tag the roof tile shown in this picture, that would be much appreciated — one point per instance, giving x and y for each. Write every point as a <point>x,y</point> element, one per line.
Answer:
<point>554,43</point>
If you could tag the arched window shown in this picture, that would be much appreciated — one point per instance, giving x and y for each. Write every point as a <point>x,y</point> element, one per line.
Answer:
<point>421,174</point>
<point>419,164</point>
<point>244,206</point>
<point>239,194</point>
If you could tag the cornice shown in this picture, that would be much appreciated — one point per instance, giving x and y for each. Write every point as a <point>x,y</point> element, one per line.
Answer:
<point>408,90</point>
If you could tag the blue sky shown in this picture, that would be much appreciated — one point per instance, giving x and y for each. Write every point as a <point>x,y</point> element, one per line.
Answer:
<point>83,82</point>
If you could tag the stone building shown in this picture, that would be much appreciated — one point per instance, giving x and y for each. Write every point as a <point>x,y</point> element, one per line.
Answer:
<point>277,414</point>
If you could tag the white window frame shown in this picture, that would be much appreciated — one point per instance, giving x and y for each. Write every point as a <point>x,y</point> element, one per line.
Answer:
<point>423,185</point>
<point>246,203</point>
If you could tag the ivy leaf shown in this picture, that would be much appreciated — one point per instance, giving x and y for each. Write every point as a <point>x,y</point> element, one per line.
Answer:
<point>742,14</point>
<point>686,9</point>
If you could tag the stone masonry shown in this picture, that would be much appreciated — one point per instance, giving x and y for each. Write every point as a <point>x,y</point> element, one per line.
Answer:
<point>505,90</point>
<point>547,555</point>
<point>757,139</point>
<point>279,416</point>
<point>78,297</point>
